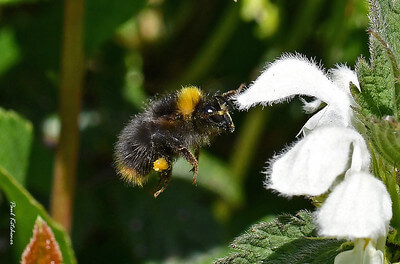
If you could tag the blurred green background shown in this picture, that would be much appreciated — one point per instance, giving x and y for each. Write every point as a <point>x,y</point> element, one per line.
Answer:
<point>134,50</point>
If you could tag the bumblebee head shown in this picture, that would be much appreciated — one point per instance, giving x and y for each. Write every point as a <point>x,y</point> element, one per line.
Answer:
<point>215,111</point>
<point>210,112</point>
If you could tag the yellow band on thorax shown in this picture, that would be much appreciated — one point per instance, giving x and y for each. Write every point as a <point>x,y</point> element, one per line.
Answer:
<point>188,98</point>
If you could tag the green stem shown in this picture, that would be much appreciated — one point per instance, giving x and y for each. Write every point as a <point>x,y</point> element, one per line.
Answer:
<point>72,61</point>
<point>381,170</point>
<point>394,195</point>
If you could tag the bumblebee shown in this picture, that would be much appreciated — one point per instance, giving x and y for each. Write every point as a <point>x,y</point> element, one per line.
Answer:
<point>170,127</point>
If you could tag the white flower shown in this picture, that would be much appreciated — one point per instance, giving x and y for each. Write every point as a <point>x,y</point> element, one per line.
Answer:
<point>295,75</point>
<point>312,165</point>
<point>355,208</point>
<point>364,251</point>
<point>332,157</point>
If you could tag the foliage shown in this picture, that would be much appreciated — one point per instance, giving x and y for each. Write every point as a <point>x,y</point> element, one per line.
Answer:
<point>379,81</point>
<point>15,138</point>
<point>383,135</point>
<point>379,95</point>
<point>289,239</point>
<point>26,209</point>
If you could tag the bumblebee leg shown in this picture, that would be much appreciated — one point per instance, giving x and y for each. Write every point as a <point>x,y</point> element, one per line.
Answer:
<point>197,153</point>
<point>233,92</point>
<point>227,96</point>
<point>192,160</point>
<point>165,178</point>
<point>160,182</point>
<point>241,87</point>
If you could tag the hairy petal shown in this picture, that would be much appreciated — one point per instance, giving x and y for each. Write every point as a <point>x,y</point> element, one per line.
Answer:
<point>311,107</point>
<point>325,117</point>
<point>294,75</point>
<point>359,207</point>
<point>313,163</point>
<point>342,76</point>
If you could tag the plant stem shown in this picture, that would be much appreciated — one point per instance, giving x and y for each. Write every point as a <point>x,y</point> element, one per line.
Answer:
<point>62,196</point>
<point>394,195</point>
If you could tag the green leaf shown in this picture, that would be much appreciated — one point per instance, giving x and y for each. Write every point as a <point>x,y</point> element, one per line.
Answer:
<point>197,258</point>
<point>15,142</point>
<point>308,250</point>
<point>365,102</point>
<point>392,251</point>
<point>26,210</point>
<point>385,138</point>
<point>393,237</point>
<point>385,20</point>
<point>387,173</point>
<point>214,176</point>
<point>287,239</point>
<point>380,81</point>
<point>384,141</point>
<point>103,17</point>
<point>377,81</point>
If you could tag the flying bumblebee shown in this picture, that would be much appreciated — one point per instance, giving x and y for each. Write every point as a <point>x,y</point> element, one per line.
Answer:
<point>168,128</point>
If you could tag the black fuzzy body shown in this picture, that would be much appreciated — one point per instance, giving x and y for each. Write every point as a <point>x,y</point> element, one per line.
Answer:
<point>161,131</point>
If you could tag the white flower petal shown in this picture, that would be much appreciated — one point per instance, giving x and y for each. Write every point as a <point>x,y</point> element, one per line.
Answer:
<point>311,107</point>
<point>363,252</point>
<point>359,207</point>
<point>313,164</point>
<point>294,75</point>
<point>342,76</point>
<point>325,117</point>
